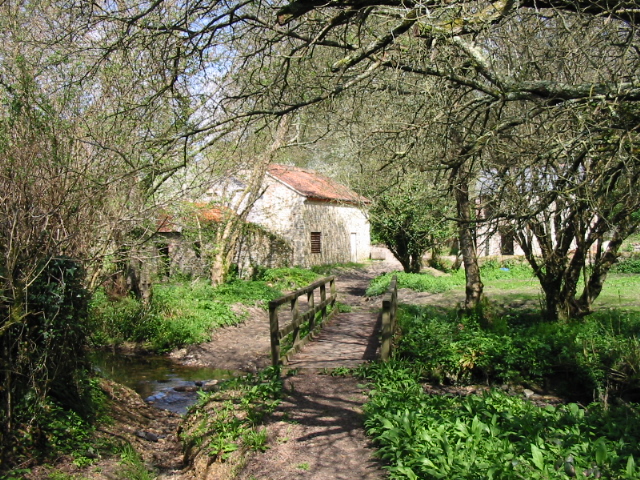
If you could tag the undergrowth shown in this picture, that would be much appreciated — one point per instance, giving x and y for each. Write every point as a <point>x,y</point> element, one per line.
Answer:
<point>594,358</point>
<point>494,436</point>
<point>420,282</point>
<point>630,264</point>
<point>335,268</point>
<point>183,313</point>
<point>65,431</point>
<point>428,282</point>
<point>231,418</point>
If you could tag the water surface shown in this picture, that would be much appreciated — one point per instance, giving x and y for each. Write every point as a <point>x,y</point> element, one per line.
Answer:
<point>156,377</point>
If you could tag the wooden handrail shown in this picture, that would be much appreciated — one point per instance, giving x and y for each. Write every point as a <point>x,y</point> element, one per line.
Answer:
<point>389,310</point>
<point>298,318</point>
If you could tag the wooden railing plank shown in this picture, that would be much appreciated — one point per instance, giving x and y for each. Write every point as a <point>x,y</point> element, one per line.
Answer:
<point>299,318</point>
<point>309,316</point>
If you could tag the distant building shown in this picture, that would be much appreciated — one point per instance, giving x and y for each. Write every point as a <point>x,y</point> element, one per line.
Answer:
<point>302,218</point>
<point>323,220</point>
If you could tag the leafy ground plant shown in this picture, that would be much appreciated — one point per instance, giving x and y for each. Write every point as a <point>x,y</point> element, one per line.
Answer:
<point>132,466</point>
<point>420,282</point>
<point>335,268</point>
<point>286,279</point>
<point>427,282</point>
<point>494,436</point>
<point>229,419</point>
<point>593,359</point>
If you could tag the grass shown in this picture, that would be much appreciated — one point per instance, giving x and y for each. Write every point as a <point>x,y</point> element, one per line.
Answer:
<point>420,282</point>
<point>131,465</point>
<point>183,313</point>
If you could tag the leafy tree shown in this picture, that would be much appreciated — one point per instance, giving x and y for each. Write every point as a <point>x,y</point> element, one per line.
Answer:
<point>571,213</point>
<point>79,172</point>
<point>409,220</point>
<point>46,198</point>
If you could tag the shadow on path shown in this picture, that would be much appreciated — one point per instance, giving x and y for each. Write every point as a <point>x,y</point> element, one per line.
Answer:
<point>317,433</point>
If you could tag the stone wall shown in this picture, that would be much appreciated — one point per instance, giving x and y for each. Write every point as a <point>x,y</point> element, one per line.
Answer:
<point>293,217</point>
<point>343,229</point>
<point>177,254</point>
<point>261,248</point>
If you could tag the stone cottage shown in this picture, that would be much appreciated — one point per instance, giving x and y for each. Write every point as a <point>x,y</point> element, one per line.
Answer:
<point>184,243</point>
<point>324,221</point>
<point>321,220</point>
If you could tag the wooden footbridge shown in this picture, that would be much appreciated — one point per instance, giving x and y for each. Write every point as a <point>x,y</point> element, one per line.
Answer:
<point>308,330</point>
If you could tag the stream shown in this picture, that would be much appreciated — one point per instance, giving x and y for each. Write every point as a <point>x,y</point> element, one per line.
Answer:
<point>159,381</point>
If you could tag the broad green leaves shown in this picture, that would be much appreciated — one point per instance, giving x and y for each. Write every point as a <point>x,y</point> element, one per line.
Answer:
<point>494,436</point>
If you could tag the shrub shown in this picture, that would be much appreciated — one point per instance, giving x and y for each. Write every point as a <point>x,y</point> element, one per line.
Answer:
<point>443,264</point>
<point>43,362</point>
<point>629,264</point>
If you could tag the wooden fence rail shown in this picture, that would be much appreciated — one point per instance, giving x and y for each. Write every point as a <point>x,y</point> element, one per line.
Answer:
<point>301,316</point>
<point>389,309</point>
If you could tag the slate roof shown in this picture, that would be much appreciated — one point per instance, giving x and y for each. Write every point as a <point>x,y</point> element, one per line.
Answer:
<point>314,185</point>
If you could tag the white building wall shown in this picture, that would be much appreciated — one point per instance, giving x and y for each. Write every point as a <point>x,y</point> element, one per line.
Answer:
<point>285,212</point>
<point>289,214</point>
<point>275,209</point>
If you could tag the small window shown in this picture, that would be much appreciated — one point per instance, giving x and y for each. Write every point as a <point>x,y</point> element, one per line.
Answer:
<point>165,260</point>
<point>316,242</point>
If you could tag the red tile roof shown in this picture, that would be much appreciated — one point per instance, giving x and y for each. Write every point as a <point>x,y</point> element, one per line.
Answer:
<point>206,214</point>
<point>313,185</point>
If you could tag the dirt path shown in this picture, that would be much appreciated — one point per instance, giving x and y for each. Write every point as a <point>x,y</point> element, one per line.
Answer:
<point>317,432</point>
<point>244,347</point>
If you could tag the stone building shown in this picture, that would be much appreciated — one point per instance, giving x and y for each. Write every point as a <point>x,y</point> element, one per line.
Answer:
<point>323,221</point>
<point>301,218</point>
<point>184,243</point>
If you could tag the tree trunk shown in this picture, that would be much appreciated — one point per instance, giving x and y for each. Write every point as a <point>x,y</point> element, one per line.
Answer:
<point>466,227</point>
<point>227,240</point>
<point>416,263</point>
<point>411,263</point>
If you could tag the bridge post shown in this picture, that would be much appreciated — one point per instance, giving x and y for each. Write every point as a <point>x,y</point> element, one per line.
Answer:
<point>274,328</point>
<point>389,309</point>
